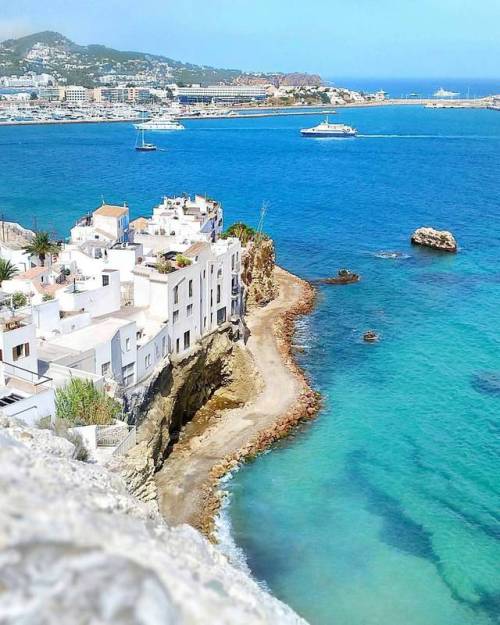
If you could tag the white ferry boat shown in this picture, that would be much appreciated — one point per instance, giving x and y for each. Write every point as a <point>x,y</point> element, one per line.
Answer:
<point>325,129</point>
<point>442,93</point>
<point>160,124</point>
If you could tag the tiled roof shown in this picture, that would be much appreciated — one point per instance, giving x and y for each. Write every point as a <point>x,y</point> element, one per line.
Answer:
<point>139,224</point>
<point>195,249</point>
<point>108,210</point>
<point>34,272</point>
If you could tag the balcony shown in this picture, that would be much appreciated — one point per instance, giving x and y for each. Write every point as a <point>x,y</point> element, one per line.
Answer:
<point>24,380</point>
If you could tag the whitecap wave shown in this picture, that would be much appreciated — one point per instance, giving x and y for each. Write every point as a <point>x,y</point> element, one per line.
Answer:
<point>224,536</point>
<point>391,255</point>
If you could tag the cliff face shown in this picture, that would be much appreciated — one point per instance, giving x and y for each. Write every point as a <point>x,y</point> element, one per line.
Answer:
<point>181,389</point>
<point>258,265</point>
<point>76,547</point>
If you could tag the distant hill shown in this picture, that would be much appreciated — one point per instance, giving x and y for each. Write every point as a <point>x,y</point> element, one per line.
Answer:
<point>52,53</point>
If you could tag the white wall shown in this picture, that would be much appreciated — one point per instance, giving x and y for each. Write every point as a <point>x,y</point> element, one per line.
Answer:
<point>151,353</point>
<point>20,336</point>
<point>97,300</point>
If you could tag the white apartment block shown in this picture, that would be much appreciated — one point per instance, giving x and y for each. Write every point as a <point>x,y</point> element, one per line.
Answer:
<point>80,322</point>
<point>219,93</point>
<point>76,94</point>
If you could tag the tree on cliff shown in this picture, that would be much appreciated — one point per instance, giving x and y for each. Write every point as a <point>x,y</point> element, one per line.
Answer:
<point>244,233</point>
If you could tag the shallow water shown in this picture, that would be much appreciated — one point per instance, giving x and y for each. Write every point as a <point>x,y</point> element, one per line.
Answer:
<point>385,510</point>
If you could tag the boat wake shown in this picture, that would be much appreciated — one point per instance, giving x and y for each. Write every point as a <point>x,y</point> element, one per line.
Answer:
<point>391,136</point>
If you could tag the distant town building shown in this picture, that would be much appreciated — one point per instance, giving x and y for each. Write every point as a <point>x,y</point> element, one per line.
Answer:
<point>219,93</point>
<point>75,94</point>
<point>130,95</point>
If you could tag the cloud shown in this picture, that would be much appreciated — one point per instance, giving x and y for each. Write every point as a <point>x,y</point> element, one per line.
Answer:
<point>12,28</point>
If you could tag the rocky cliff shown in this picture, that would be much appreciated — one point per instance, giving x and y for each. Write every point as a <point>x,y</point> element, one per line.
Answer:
<point>436,239</point>
<point>182,388</point>
<point>76,547</point>
<point>257,275</point>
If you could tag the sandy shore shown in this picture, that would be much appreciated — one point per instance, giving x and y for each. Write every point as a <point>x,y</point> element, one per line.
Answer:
<point>188,481</point>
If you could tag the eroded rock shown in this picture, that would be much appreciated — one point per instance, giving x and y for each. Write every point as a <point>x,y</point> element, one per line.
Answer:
<point>76,547</point>
<point>436,239</point>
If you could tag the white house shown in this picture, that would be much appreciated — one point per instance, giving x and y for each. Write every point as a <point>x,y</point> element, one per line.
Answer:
<point>193,299</point>
<point>108,224</point>
<point>24,393</point>
<point>13,239</point>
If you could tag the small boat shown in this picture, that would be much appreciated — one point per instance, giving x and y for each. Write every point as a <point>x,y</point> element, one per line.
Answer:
<point>143,146</point>
<point>370,336</point>
<point>325,129</point>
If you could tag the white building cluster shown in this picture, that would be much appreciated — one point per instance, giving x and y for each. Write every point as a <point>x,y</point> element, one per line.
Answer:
<point>119,300</point>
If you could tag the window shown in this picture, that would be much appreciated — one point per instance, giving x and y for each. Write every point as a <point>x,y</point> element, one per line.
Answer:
<point>204,322</point>
<point>232,262</point>
<point>20,351</point>
<point>221,315</point>
<point>186,340</point>
<point>218,293</point>
<point>128,374</point>
<point>105,280</point>
<point>176,294</point>
<point>211,297</point>
<point>175,316</point>
<point>189,310</point>
<point>211,268</point>
<point>147,361</point>
<point>105,368</point>
<point>190,288</point>
<point>177,346</point>
<point>219,272</point>
<point>163,346</point>
<point>204,273</point>
<point>127,344</point>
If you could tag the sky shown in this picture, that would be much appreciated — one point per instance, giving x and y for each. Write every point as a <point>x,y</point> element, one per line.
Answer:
<point>355,38</point>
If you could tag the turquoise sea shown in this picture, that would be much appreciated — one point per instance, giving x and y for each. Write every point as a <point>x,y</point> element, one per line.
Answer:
<point>385,510</point>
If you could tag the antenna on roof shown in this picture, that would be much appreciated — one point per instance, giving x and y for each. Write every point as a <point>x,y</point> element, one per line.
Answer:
<point>260,227</point>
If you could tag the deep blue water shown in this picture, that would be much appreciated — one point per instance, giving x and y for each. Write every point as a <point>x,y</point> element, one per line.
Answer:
<point>425,87</point>
<point>385,510</point>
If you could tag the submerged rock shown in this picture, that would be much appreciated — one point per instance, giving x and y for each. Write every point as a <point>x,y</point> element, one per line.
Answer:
<point>436,239</point>
<point>344,276</point>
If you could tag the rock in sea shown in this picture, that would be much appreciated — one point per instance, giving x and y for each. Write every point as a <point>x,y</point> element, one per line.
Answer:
<point>436,239</point>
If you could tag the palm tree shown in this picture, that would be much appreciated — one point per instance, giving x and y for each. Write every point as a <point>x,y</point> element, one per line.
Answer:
<point>7,270</point>
<point>40,246</point>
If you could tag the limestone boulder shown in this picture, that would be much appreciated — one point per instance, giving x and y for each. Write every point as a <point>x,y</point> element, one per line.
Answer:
<point>437,239</point>
<point>76,547</point>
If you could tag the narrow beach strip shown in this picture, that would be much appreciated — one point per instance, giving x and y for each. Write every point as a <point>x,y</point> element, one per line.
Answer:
<point>188,483</point>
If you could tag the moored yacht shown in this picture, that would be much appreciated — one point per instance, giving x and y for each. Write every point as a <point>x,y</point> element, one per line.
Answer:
<point>325,129</point>
<point>164,123</point>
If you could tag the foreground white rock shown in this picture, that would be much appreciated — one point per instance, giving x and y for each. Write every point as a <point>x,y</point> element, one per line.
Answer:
<point>437,239</point>
<point>75,547</point>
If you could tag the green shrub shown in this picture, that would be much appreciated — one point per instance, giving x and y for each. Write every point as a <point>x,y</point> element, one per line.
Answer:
<point>164,266</point>
<point>19,299</point>
<point>244,233</point>
<point>47,297</point>
<point>81,403</point>
<point>182,261</point>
